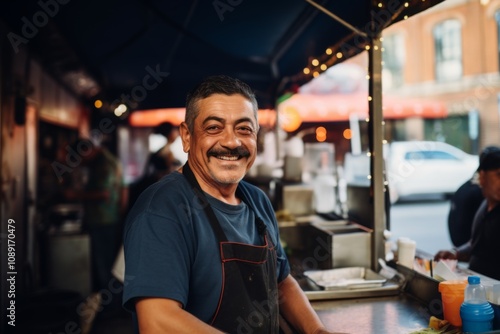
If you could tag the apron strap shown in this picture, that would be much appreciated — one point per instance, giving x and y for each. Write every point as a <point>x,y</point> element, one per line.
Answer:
<point>188,173</point>
<point>214,222</point>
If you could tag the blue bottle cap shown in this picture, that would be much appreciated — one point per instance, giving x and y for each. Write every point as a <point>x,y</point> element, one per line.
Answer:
<point>473,279</point>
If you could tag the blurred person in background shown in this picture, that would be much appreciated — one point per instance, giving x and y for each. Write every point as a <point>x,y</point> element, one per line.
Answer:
<point>103,197</point>
<point>164,160</point>
<point>482,251</point>
<point>160,163</point>
<point>463,206</point>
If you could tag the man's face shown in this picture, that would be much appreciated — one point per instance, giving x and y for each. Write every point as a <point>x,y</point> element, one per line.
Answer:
<point>223,145</point>
<point>490,183</point>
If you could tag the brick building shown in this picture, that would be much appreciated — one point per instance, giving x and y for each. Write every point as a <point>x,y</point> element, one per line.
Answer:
<point>449,53</point>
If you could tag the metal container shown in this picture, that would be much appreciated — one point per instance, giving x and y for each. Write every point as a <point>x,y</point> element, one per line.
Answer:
<point>328,244</point>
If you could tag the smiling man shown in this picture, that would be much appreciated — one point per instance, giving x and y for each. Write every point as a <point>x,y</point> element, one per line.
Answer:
<point>202,246</point>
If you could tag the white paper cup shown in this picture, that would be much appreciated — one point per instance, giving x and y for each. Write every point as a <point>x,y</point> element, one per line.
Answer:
<point>406,252</point>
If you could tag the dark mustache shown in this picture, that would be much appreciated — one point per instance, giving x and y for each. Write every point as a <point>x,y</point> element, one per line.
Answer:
<point>241,151</point>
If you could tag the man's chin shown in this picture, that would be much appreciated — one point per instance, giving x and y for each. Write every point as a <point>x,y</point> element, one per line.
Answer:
<point>228,177</point>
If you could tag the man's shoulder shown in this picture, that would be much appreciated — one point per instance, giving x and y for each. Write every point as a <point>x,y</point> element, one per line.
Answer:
<point>171,184</point>
<point>164,197</point>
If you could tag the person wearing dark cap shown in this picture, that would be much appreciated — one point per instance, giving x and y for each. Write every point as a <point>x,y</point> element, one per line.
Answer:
<point>482,251</point>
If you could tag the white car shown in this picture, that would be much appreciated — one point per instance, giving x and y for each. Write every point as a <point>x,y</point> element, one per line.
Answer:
<point>427,167</point>
<point>415,168</point>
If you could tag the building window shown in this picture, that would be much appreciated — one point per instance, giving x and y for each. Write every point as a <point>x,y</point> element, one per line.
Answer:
<point>448,44</point>
<point>497,18</point>
<point>393,58</point>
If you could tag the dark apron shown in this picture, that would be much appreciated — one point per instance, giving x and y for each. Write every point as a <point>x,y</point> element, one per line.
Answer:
<point>248,302</point>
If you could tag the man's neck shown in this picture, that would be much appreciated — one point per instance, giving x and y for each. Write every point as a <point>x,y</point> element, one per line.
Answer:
<point>226,194</point>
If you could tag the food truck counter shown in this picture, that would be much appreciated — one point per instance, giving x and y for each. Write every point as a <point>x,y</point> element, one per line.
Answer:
<point>407,311</point>
<point>390,314</point>
<point>331,262</point>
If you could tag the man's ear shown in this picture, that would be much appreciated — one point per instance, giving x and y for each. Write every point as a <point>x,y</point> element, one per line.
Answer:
<point>185,136</point>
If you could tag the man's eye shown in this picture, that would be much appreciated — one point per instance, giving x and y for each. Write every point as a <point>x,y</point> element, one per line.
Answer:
<point>245,129</point>
<point>213,127</point>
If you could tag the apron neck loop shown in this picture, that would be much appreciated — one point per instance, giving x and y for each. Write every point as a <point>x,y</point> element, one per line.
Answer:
<point>188,174</point>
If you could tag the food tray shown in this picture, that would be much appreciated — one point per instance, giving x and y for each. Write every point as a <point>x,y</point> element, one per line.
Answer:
<point>344,279</point>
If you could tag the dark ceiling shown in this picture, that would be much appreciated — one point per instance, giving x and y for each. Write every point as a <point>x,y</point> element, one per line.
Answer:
<point>149,53</point>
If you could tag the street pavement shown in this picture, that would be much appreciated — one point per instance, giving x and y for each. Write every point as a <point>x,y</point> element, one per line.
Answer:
<point>425,221</point>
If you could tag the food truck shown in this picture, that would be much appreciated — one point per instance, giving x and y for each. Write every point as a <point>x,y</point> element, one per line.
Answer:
<point>73,70</point>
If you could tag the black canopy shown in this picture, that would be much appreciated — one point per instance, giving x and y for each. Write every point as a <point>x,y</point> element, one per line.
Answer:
<point>149,53</point>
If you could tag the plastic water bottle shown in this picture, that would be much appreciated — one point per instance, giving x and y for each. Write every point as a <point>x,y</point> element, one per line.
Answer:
<point>476,312</point>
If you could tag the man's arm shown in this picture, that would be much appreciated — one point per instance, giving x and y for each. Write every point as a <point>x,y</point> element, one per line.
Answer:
<point>296,309</point>
<point>162,315</point>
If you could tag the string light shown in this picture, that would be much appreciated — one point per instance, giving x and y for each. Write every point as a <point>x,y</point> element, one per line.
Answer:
<point>332,55</point>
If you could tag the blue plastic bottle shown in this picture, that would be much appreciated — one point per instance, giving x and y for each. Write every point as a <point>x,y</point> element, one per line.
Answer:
<point>476,312</point>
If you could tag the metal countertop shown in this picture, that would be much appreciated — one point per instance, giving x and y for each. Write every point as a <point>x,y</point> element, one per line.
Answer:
<point>398,314</point>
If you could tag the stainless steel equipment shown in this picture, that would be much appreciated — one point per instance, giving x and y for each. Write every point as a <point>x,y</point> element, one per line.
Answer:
<point>319,244</point>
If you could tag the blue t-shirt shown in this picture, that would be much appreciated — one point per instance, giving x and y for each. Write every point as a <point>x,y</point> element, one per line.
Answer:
<point>171,250</point>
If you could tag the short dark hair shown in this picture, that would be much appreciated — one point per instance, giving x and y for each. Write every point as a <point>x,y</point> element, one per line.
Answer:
<point>217,84</point>
<point>164,129</point>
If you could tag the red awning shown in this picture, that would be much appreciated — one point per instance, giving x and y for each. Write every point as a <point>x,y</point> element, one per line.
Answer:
<point>153,117</point>
<point>338,107</point>
<point>303,108</point>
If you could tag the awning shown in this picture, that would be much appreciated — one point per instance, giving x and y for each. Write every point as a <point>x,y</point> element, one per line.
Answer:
<point>150,53</point>
<point>308,108</point>
<point>153,117</point>
<point>303,108</point>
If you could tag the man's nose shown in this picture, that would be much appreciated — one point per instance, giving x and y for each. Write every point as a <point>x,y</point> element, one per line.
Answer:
<point>230,139</point>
